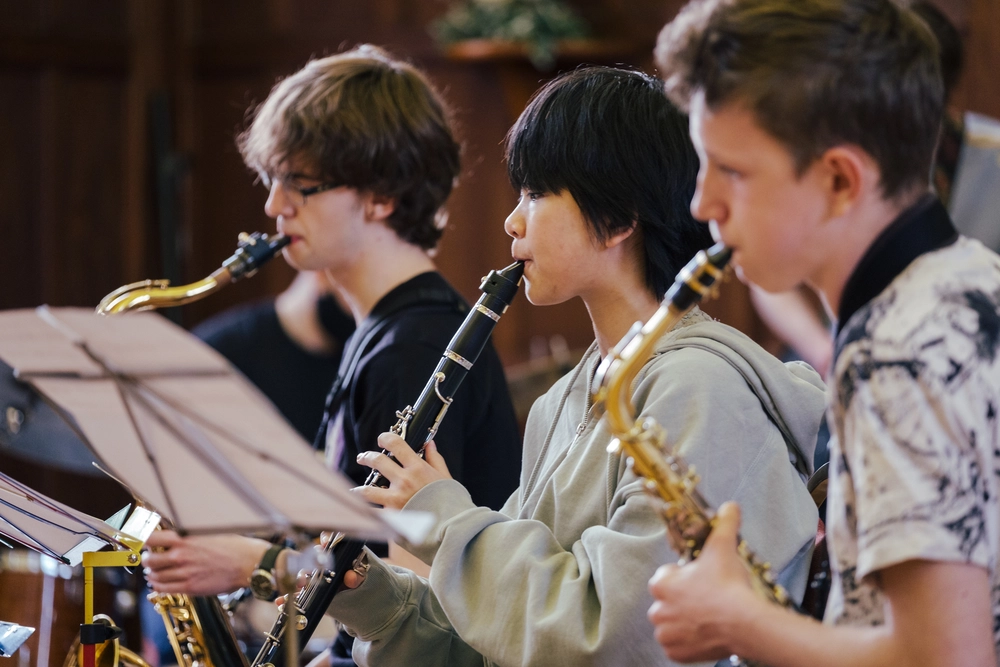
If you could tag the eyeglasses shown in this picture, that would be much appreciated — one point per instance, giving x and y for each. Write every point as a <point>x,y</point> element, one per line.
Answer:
<point>288,182</point>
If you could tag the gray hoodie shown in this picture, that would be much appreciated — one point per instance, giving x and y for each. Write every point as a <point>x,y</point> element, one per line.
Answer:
<point>559,575</point>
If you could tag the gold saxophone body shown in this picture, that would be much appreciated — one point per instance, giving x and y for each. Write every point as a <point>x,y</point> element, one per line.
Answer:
<point>198,627</point>
<point>688,516</point>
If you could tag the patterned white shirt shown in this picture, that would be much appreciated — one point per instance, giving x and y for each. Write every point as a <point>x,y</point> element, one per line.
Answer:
<point>914,402</point>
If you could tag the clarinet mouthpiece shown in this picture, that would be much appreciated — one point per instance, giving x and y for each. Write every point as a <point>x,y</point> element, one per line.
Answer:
<point>503,284</point>
<point>514,272</point>
<point>719,255</point>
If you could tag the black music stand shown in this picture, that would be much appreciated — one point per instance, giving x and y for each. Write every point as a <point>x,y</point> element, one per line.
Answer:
<point>188,435</point>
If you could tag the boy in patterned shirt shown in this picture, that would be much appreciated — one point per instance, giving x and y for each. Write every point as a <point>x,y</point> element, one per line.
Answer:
<point>815,122</point>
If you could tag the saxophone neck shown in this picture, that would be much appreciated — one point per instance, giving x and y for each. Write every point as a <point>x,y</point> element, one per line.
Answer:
<point>153,294</point>
<point>613,381</point>
<point>252,252</point>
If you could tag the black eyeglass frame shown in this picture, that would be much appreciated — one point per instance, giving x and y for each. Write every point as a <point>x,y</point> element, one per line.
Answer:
<point>286,181</point>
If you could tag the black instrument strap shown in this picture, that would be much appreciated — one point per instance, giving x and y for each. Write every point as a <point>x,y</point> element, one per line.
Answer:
<point>420,300</point>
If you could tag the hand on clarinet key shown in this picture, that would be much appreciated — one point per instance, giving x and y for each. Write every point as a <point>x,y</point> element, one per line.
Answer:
<point>406,477</point>
<point>695,603</point>
<point>352,578</point>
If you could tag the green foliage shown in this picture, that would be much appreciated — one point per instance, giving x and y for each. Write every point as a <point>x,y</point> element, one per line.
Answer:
<point>539,24</point>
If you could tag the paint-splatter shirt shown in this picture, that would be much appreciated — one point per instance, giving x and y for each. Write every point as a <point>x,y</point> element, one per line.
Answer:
<point>914,402</point>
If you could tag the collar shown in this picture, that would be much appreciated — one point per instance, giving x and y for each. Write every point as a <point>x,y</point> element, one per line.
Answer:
<point>429,286</point>
<point>920,229</point>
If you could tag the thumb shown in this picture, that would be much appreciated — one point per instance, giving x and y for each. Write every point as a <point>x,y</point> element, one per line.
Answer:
<point>161,539</point>
<point>725,528</point>
<point>434,458</point>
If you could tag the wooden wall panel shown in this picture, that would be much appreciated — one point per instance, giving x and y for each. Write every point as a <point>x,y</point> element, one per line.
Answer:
<point>978,90</point>
<point>22,264</point>
<point>62,188</point>
<point>76,80</point>
<point>86,187</point>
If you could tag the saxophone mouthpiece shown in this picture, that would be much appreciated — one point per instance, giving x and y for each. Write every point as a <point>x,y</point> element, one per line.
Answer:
<point>253,251</point>
<point>719,255</point>
<point>697,278</point>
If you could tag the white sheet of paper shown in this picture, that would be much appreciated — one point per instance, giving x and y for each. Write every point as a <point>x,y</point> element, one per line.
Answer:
<point>48,526</point>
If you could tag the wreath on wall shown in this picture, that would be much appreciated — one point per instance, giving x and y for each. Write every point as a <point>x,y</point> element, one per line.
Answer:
<point>538,25</point>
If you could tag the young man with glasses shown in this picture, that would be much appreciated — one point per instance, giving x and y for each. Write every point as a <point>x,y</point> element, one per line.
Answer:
<point>358,156</point>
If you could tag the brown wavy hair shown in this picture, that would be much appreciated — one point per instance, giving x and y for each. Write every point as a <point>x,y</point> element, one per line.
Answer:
<point>368,121</point>
<point>815,74</point>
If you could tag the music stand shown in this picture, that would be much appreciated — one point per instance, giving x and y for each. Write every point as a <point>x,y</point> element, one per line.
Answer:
<point>56,530</point>
<point>186,434</point>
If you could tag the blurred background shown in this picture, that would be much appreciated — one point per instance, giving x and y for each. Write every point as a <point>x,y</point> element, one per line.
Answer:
<point>117,163</point>
<point>117,121</point>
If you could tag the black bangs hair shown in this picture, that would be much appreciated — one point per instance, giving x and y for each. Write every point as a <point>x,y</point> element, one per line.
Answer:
<point>612,140</point>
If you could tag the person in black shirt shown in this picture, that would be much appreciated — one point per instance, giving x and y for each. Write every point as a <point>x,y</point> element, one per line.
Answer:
<point>288,347</point>
<point>358,156</point>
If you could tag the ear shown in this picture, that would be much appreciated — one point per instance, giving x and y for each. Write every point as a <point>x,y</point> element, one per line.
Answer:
<point>378,207</point>
<point>620,237</point>
<point>849,174</point>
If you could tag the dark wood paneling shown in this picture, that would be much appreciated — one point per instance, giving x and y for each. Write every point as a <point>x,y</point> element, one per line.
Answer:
<point>79,206</point>
<point>978,90</point>
<point>23,263</point>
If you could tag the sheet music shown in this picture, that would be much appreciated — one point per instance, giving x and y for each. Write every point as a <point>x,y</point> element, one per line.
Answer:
<point>48,526</point>
<point>169,417</point>
<point>12,636</point>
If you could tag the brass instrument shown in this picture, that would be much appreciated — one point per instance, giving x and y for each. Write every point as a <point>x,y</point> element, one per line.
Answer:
<point>198,627</point>
<point>688,516</point>
<point>252,252</point>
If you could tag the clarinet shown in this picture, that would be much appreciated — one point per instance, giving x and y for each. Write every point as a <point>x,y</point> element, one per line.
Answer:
<point>416,424</point>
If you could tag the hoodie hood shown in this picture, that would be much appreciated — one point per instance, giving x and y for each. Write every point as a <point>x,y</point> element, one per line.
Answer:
<point>792,394</point>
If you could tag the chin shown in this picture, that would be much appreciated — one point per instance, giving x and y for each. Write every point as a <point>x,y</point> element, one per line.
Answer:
<point>535,296</point>
<point>291,259</point>
<point>766,281</point>
<point>302,261</point>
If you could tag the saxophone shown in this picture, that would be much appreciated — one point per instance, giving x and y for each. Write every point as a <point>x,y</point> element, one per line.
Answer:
<point>416,424</point>
<point>688,516</point>
<point>198,627</point>
<point>252,252</point>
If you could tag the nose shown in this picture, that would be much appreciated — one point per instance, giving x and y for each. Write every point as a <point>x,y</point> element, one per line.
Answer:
<point>514,224</point>
<point>278,202</point>
<point>707,203</point>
